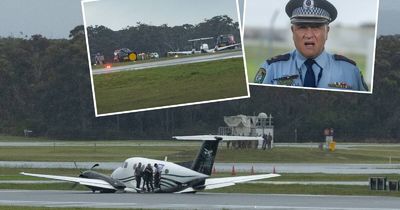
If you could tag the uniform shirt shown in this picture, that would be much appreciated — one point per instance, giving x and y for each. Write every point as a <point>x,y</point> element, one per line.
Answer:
<point>331,72</point>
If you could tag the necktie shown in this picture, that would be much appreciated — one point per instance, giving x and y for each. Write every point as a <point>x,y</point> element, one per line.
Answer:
<point>309,80</point>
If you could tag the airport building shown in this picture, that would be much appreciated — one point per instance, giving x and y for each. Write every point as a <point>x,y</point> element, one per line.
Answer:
<point>242,125</point>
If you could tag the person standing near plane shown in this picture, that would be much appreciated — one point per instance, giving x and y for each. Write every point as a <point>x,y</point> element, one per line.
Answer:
<point>157,176</point>
<point>269,141</point>
<point>148,177</point>
<point>309,65</point>
<point>264,143</point>
<point>138,174</point>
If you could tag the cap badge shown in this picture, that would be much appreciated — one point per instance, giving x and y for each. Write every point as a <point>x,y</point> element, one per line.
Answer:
<point>308,4</point>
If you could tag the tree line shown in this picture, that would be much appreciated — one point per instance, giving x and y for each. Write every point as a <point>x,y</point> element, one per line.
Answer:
<point>161,39</point>
<point>45,87</point>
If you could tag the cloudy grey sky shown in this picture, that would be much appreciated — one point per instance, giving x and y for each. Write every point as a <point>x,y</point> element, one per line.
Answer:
<point>56,18</point>
<point>118,14</point>
<point>52,18</point>
<point>389,17</point>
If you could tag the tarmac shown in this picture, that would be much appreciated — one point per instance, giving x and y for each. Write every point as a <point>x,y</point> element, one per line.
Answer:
<point>326,168</point>
<point>351,183</point>
<point>171,62</point>
<point>196,201</point>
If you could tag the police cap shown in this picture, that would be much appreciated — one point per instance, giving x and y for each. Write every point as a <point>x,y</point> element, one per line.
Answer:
<point>311,11</point>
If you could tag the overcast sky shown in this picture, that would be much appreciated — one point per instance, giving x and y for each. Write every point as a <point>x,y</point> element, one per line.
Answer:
<point>55,18</point>
<point>350,12</point>
<point>118,14</point>
<point>389,17</point>
<point>51,18</point>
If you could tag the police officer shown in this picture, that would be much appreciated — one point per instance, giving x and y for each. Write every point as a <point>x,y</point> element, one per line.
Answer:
<point>310,65</point>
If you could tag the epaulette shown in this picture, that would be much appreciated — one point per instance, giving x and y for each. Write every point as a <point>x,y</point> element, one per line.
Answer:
<point>278,58</point>
<point>342,58</point>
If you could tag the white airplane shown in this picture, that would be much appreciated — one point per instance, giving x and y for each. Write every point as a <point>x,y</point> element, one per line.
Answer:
<point>174,178</point>
<point>223,42</point>
<point>203,47</point>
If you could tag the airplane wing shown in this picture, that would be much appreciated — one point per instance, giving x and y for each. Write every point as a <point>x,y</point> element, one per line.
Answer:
<point>200,39</point>
<point>181,53</point>
<point>226,47</point>
<point>214,183</point>
<point>83,181</point>
<point>184,52</point>
<point>216,137</point>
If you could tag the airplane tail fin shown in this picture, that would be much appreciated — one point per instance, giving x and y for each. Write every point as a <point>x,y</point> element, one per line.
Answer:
<point>204,161</point>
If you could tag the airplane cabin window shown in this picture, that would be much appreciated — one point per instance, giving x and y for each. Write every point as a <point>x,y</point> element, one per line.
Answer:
<point>126,165</point>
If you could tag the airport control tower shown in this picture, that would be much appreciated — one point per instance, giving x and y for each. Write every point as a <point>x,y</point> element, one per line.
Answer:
<point>242,125</point>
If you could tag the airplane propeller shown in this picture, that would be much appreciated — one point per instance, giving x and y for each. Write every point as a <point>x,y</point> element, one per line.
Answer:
<point>95,165</point>
<point>80,173</point>
<point>76,166</point>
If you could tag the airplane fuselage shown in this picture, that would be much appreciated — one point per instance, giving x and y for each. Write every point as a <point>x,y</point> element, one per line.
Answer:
<point>174,178</point>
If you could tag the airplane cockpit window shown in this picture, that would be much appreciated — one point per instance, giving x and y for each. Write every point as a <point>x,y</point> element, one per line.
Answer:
<point>126,165</point>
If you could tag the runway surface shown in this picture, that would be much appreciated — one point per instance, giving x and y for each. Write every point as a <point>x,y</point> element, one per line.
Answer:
<point>239,167</point>
<point>172,62</point>
<point>335,168</point>
<point>351,183</point>
<point>196,201</point>
<point>359,183</point>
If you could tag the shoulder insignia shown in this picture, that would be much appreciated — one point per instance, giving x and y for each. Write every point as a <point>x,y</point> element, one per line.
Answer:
<point>342,58</point>
<point>260,76</point>
<point>278,58</point>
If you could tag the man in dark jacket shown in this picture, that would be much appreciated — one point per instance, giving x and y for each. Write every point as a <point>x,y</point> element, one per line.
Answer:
<point>157,176</point>
<point>138,174</point>
<point>148,177</point>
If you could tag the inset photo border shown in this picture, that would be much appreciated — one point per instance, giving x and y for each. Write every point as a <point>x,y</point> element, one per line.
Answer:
<point>148,55</point>
<point>269,46</point>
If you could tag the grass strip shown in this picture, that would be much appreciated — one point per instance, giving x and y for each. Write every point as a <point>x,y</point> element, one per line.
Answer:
<point>171,85</point>
<point>362,155</point>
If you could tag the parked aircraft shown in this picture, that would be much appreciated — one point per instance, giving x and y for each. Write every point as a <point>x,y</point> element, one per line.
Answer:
<point>175,178</point>
<point>222,42</point>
